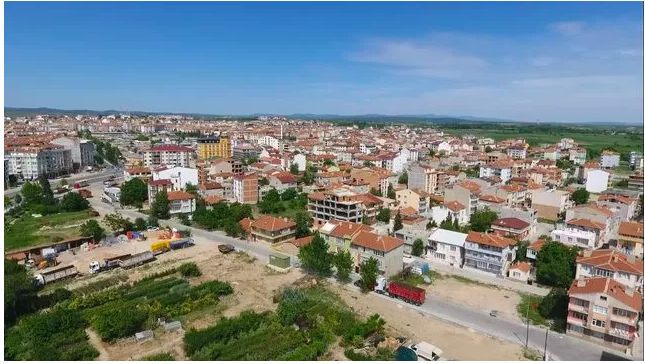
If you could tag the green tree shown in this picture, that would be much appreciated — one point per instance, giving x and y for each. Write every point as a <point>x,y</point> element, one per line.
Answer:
<point>556,264</point>
<point>48,194</point>
<point>431,224</point>
<point>303,220</point>
<point>390,192</point>
<point>398,222</point>
<point>315,256</point>
<point>488,149</point>
<point>160,206</point>
<point>7,201</point>
<point>289,194</point>
<point>191,188</point>
<point>417,248</point>
<point>294,169</point>
<point>375,192</point>
<point>329,162</point>
<point>233,228</point>
<point>368,164</point>
<point>153,221</point>
<point>369,271</point>
<point>73,201</point>
<point>13,180</point>
<point>270,203</point>
<point>189,269</point>
<point>481,220</point>
<point>432,153</point>
<point>403,178</point>
<point>383,215</point>
<point>20,292</point>
<point>263,182</point>
<point>98,159</point>
<point>32,192</point>
<point>17,199</point>
<point>520,255</point>
<point>554,306</point>
<point>343,262</point>
<point>580,196</point>
<point>63,182</point>
<point>133,192</point>
<point>140,224</point>
<point>93,229</point>
<point>117,223</point>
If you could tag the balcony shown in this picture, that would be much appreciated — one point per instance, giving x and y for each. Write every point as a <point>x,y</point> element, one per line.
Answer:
<point>576,321</point>
<point>624,319</point>
<point>621,333</point>
<point>577,308</point>
<point>484,259</point>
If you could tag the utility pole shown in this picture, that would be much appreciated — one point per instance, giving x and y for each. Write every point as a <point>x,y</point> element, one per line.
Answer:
<point>546,338</point>
<point>527,322</point>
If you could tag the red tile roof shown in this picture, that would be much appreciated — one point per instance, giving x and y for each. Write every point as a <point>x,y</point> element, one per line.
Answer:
<point>160,182</point>
<point>511,222</point>
<point>272,223</point>
<point>179,195</point>
<point>491,198</point>
<point>454,205</point>
<point>138,170</point>
<point>302,241</point>
<point>631,228</point>
<point>609,287</point>
<point>537,245</point>
<point>490,240</point>
<point>344,228</point>
<point>376,242</point>
<point>523,266</point>
<point>611,260</point>
<point>246,224</point>
<point>587,223</point>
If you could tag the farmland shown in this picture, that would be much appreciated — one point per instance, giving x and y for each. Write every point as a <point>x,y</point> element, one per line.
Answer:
<point>27,230</point>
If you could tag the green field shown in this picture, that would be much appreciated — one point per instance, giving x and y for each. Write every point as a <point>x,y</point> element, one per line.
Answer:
<point>599,138</point>
<point>27,230</point>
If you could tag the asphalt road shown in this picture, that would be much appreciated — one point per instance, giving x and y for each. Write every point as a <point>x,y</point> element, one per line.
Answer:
<point>91,177</point>
<point>559,346</point>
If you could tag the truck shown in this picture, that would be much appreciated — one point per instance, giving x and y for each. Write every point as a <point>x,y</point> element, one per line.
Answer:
<point>107,264</point>
<point>85,193</point>
<point>426,351</point>
<point>160,247</point>
<point>181,243</point>
<point>402,291</point>
<point>137,259</point>
<point>56,274</point>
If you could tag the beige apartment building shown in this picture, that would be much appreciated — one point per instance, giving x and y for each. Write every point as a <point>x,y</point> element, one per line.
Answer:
<point>415,198</point>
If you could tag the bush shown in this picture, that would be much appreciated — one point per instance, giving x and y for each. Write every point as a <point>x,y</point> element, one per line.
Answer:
<point>159,357</point>
<point>189,270</point>
<point>74,202</point>
<point>118,322</point>
<point>292,303</point>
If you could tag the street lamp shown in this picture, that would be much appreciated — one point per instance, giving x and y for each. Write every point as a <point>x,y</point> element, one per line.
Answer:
<point>546,338</point>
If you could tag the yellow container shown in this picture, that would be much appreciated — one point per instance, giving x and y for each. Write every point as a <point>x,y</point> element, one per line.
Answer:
<point>161,244</point>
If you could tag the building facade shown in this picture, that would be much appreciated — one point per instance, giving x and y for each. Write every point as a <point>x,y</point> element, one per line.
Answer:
<point>167,155</point>
<point>489,253</point>
<point>214,147</point>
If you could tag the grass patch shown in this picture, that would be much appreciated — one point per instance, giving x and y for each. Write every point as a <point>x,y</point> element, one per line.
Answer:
<point>469,281</point>
<point>530,304</point>
<point>159,357</point>
<point>101,284</point>
<point>531,354</point>
<point>26,230</point>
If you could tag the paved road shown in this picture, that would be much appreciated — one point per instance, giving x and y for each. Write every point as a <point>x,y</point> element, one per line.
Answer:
<point>91,177</point>
<point>560,347</point>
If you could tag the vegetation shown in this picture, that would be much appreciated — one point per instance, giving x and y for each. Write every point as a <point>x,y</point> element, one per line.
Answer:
<point>189,269</point>
<point>343,262</point>
<point>398,222</point>
<point>315,256</point>
<point>289,203</point>
<point>160,207</point>
<point>133,193</point>
<point>74,202</point>
<point>303,220</point>
<point>556,264</point>
<point>27,230</point>
<point>375,192</point>
<point>390,192</point>
<point>580,196</point>
<point>403,178</point>
<point>117,223</point>
<point>369,270</point>
<point>383,215</point>
<point>93,229</point>
<point>159,357</point>
<point>481,220</point>
<point>222,216</point>
<point>520,255</point>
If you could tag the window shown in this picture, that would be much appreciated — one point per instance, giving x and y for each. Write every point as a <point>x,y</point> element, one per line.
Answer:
<point>440,256</point>
<point>603,298</point>
<point>620,312</point>
<point>578,315</point>
<point>453,248</point>
<point>600,309</point>
<point>598,323</point>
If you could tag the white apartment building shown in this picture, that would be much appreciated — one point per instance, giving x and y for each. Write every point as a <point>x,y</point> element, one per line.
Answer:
<point>625,269</point>
<point>178,176</point>
<point>446,246</point>
<point>609,159</point>
<point>575,237</point>
<point>82,150</point>
<point>269,141</point>
<point>339,204</point>
<point>501,169</point>
<point>517,152</point>
<point>31,162</point>
<point>167,155</point>
<point>422,177</point>
<point>597,181</point>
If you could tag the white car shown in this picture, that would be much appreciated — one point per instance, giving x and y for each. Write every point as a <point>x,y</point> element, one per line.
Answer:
<point>152,228</point>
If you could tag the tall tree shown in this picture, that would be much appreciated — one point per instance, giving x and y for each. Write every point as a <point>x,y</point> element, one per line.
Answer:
<point>417,248</point>
<point>375,192</point>
<point>74,202</point>
<point>390,192</point>
<point>580,196</point>
<point>343,262</point>
<point>315,256</point>
<point>160,206</point>
<point>403,178</point>
<point>191,188</point>
<point>294,169</point>
<point>20,292</point>
<point>303,220</point>
<point>556,264</point>
<point>133,192</point>
<point>47,192</point>
<point>398,222</point>
<point>431,224</point>
<point>369,271</point>
<point>32,192</point>
<point>520,255</point>
<point>117,223</point>
<point>383,215</point>
<point>270,202</point>
<point>481,220</point>
<point>140,224</point>
<point>93,229</point>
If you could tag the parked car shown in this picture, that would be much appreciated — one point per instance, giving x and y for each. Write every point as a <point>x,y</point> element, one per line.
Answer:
<point>225,248</point>
<point>152,228</point>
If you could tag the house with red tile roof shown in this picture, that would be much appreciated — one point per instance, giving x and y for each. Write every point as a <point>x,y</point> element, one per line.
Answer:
<point>534,248</point>
<point>489,253</point>
<point>511,227</point>
<point>604,311</point>
<point>630,238</point>
<point>625,269</point>
<point>272,230</point>
<point>520,271</point>
<point>181,202</point>
<point>458,211</point>
<point>387,250</point>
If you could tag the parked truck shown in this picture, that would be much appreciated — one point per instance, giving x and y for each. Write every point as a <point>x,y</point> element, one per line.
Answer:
<point>137,259</point>
<point>181,243</point>
<point>107,264</point>
<point>401,291</point>
<point>56,274</point>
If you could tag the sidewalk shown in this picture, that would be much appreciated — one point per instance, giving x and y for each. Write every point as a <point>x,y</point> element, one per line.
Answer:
<point>486,278</point>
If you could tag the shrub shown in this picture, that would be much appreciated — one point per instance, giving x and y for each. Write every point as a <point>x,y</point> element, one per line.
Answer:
<point>159,357</point>
<point>189,270</point>
<point>121,321</point>
<point>292,303</point>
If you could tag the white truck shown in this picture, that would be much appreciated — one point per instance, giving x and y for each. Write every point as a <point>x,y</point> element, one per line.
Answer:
<point>426,351</point>
<point>55,274</point>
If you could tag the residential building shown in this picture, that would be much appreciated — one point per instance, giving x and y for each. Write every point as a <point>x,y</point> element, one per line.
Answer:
<point>32,162</point>
<point>272,230</point>
<point>458,212</point>
<point>489,253</point>
<point>609,159</point>
<point>142,173</point>
<point>578,155</point>
<point>573,236</point>
<point>415,198</point>
<point>178,176</point>
<point>635,181</point>
<point>624,207</point>
<point>446,246</point>
<point>625,269</point>
<point>597,181</point>
<point>387,250</point>
<point>500,169</point>
<point>520,271</point>
<point>634,157</point>
<point>82,150</point>
<point>422,177</point>
<point>604,311</point>
<point>550,203</point>
<point>533,249</point>
<point>517,151</point>
<point>339,204</point>
<point>211,147</point>
<point>339,234</point>
<point>409,234</point>
<point>181,202</point>
<point>246,188</point>
<point>630,238</point>
<point>511,227</point>
<point>170,155</point>
<point>156,186</point>
<point>243,152</point>
<point>282,181</point>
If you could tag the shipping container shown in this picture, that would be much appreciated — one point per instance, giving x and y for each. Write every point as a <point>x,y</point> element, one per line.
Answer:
<point>181,244</point>
<point>280,261</point>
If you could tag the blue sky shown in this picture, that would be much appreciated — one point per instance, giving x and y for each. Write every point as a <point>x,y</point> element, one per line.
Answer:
<point>555,61</point>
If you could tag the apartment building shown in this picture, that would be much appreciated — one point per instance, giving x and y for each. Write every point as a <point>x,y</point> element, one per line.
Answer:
<point>32,162</point>
<point>623,207</point>
<point>604,311</point>
<point>340,204</point>
<point>466,193</point>
<point>550,203</point>
<point>272,230</point>
<point>635,181</point>
<point>623,268</point>
<point>245,188</point>
<point>446,246</point>
<point>500,169</point>
<point>218,146</point>
<point>82,150</point>
<point>578,155</point>
<point>517,152</point>
<point>243,152</point>
<point>282,181</point>
<point>597,181</point>
<point>181,202</point>
<point>511,227</point>
<point>142,173</point>
<point>387,250</point>
<point>409,234</point>
<point>339,234</point>
<point>609,159</point>
<point>630,238</point>
<point>422,177</point>
<point>156,186</point>
<point>489,253</point>
<point>179,177</point>
<point>167,155</point>
<point>573,235</point>
<point>415,198</point>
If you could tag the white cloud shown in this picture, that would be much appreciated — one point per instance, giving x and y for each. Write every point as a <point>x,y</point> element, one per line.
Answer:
<point>567,28</point>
